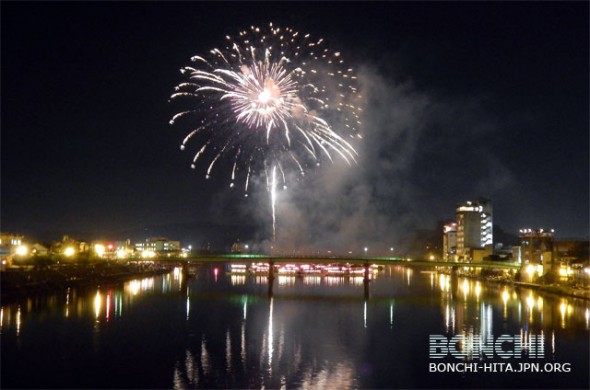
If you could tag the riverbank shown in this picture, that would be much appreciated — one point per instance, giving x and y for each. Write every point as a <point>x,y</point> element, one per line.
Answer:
<point>19,282</point>
<point>578,291</point>
<point>557,289</point>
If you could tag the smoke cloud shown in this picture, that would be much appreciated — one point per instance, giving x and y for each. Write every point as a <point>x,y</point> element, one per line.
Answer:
<point>410,140</point>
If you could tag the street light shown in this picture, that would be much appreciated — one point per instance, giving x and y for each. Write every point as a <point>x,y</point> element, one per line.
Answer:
<point>366,249</point>
<point>69,251</point>
<point>22,250</point>
<point>99,249</point>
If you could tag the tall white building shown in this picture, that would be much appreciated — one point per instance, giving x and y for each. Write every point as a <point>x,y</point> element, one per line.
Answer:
<point>474,227</point>
<point>450,241</point>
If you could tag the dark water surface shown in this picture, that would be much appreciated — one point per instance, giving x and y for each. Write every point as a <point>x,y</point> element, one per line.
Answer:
<point>224,331</point>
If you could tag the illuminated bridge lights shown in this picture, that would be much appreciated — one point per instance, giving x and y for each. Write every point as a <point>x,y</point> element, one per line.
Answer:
<point>305,269</point>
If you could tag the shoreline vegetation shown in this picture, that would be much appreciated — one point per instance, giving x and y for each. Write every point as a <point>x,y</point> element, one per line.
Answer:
<point>21,282</point>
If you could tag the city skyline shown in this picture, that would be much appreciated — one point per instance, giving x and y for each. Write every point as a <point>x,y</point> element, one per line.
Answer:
<point>464,101</point>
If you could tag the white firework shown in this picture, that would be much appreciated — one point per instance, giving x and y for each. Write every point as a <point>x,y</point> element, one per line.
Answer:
<point>270,99</point>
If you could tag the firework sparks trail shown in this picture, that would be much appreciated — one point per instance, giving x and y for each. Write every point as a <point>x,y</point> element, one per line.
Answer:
<point>270,98</point>
<point>273,197</point>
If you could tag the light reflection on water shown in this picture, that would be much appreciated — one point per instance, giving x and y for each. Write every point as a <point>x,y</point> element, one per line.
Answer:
<point>311,332</point>
<point>527,306</point>
<point>102,304</point>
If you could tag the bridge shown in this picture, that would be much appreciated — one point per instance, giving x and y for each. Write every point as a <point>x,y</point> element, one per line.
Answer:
<point>282,259</point>
<point>365,262</point>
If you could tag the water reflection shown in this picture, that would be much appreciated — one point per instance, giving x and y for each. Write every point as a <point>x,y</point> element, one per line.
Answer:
<point>269,340</point>
<point>243,343</point>
<point>531,313</point>
<point>470,308</point>
<point>227,351</point>
<point>458,294</point>
<point>222,330</point>
<point>101,304</point>
<point>237,280</point>
<point>526,305</point>
<point>391,314</point>
<point>205,357</point>
<point>188,303</point>
<point>270,354</point>
<point>409,275</point>
<point>312,280</point>
<point>286,280</point>
<point>18,320</point>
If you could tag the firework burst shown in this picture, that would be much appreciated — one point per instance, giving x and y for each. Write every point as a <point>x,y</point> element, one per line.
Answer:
<point>271,99</point>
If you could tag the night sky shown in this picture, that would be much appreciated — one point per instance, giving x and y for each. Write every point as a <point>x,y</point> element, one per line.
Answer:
<point>463,100</point>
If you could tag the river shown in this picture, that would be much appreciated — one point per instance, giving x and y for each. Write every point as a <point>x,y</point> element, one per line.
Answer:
<point>216,330</point>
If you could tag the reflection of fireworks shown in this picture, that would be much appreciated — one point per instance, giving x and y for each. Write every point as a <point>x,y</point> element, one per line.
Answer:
<point>269,100</point>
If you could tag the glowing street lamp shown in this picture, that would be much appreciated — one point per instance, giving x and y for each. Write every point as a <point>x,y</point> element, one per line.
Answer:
<point>99,249</point>
<point>22,250</point>
<point>69,251</point>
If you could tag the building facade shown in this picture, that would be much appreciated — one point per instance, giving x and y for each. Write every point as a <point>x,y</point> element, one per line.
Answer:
<point>11,245</point>
<point>474,227</point>
<point>450,241</point>
<point>157,246</point>
<point>536,252</point>
<point>534,243</point>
